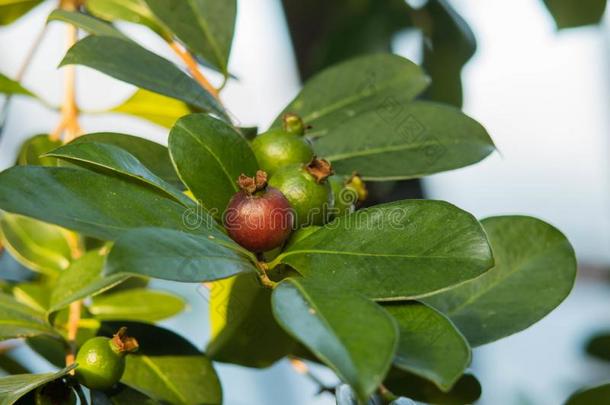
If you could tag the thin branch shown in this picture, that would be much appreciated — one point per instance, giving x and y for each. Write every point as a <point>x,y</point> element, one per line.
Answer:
<point>193,68</point>
<point>300,367</point>
<point>74,310</point>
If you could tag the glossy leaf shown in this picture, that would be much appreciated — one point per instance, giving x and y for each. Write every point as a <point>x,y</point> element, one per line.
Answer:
<point>82,279</point>
<point>95,205</point>
<point>35,295</point>
<point>137,305</point>
<point>241,319</point>
<point>36,245</point>
<point>350,334</point>
<point>204,26</point>
<point>349,89</point>
<point>401,141</point>
<point>135,11</point>
<point>86,22</point>
<point>592,396</point>
<point>599,346</point>
<point>129,62</point>
<point>534,272</point>
<point>121,396</point>
<point>9,86</point>
<point>429,345</point>
<point>466,390</point>
<point>109,157</point>
<point>153,107</point>
<point>209,155</point>
<point>16,386</point>
<point>11,10</point>
<point>404,249</point>
<point>168,368</point>
<point>576,13</point>
<point>19,320</point>
<point>32,150</point>
<point>178,256</point>
<point>152,155</point>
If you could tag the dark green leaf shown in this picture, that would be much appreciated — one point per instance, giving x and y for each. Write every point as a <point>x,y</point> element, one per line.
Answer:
<point>534,272</point>
<point>168,368</point>
<point>136,305</point>
<point>152,155</point>
<point>204,26</point>
<point>18,320</point>
<point>109,157</point>
<point>9,86</point>
<point>11,10</point>
<point>401,141</point>
<point>82,279</point>
<point>179,256</point>
<point>12,366</point>
<point>241,319</point>
<point>16,386</point>
<point>90,24</point>
<point>599,346</point>
<point>349,89</point>
<point>209,155</point>
<point>129,62</point>
<point>135,11</point>
<point>51,349</point>
<point>576,13</point>
<point>100,206</point>
<point>32,150</point>
<point>350,334</point>
<point>153,107</point>
<point>466,390</point>
<point>123,395</point>
<point>429,345</point>
<point>404,249</point>
<point>593,396</point>
<point>36,245</point>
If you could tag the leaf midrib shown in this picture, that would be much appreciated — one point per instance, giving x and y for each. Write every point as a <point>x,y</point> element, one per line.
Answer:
<point>146,359</point>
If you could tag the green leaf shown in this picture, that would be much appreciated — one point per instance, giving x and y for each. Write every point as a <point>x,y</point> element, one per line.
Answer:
<point>205,26</point>
<point>152,155</point>
<point>209,156</point>
<point>153,107</point>
<point>52,350</point>
<point>9,86</point>
<point>401,250</point>
<point>16,386</point>
<point>35,295</point>
<point>86,22</point>
<point>11,10</point>
<point>349,89</point>
<point>18,320</point>
<point>32,150</point>
<point>82,279</point>
<point>137,305</point>
<point>241,319</point>
<point>429,345</point>
<point>576,13</point>
<point>534,272</point>
<point>352,335</point>
<point>109,157</point>
<point>466,390</point>
<point>599,346</point>
<point>12,366</point>
<point>134,11</point>
<point>36,245</point>
<point>593,396</point>
<point>178,256</point>
<point>121,396</point>
<point>95,205</point>
<point>129,62</point>
<point>402,141</point>
<point>168,368</point>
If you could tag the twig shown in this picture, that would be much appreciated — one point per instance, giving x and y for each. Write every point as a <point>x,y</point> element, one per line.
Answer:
<point>300,367</point>
<point>74,310</point>
<point>386,394</point>
<point>193,68</point>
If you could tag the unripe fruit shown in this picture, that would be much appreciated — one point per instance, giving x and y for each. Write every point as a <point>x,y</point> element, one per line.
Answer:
<point>55,393</point>
<point>101,361</point>
<point>307,190</point>
<point>259,218</point>
<point>281,147</point>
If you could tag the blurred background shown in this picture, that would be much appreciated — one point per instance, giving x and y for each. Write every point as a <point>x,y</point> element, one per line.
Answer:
<point>542,93</point>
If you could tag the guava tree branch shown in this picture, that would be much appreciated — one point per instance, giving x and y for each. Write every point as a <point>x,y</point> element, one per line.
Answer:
<point>193,68</point>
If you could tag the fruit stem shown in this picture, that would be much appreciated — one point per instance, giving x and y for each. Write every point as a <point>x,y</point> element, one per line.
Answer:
<point>261,269</point>
<point>386,394</point>
<point>193,68</point>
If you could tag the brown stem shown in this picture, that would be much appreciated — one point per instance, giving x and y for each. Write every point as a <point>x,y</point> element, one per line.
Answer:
<point>261,269</point>
<point>73,320</point>
<point>193,68</point>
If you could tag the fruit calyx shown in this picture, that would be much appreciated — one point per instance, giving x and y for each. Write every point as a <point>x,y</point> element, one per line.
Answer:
<point>320,169</point>
<point>293,124</point>
<point>123,344</point>
<point>355,181</point>
<point>251,185</point>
